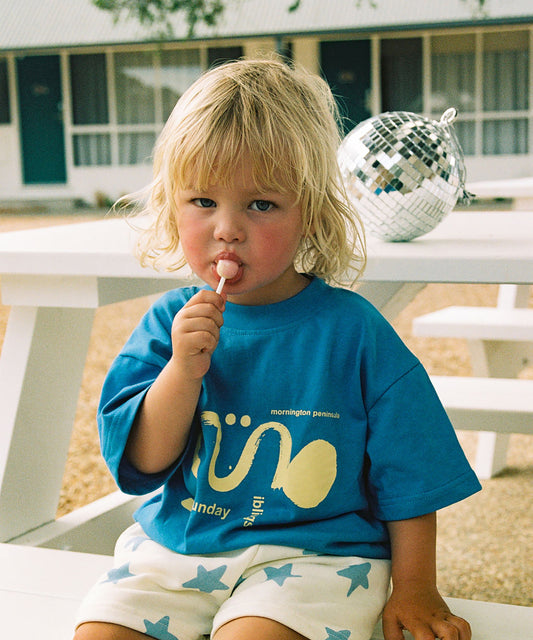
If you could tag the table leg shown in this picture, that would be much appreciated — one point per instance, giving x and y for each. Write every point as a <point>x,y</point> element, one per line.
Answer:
<point>501,360</point>
<point>41,368</point>
<point>390,297</point>
<point>497,359</point>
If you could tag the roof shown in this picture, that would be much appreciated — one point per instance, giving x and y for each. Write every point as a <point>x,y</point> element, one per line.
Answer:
<point>43,24</point>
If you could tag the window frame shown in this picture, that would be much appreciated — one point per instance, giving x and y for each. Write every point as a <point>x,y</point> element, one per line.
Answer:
<point>5,94</point>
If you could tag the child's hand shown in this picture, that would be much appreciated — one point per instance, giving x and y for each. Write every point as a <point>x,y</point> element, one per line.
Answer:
<point>195,333</point>
<point>424,614</point>
<point>161,429</point>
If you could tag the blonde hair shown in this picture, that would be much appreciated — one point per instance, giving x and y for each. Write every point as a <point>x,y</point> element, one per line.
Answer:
<point>285,119</point>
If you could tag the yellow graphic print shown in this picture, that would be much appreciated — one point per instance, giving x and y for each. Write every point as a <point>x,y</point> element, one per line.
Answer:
<point>306,479</point>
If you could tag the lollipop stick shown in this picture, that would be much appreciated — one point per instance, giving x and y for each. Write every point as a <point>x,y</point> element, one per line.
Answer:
<point>226,269</point>
<point>220,285</point>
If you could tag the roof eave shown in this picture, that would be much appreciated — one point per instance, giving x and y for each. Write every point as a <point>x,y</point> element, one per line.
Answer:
<point>204,38</point>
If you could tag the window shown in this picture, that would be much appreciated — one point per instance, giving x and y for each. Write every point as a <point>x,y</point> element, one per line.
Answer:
<point>505,92</point>
<point>505,71</point>
<point>346,66</point>
<point>5,116</point>
<point>135,95</point>
<point>179,69</point>
<point>135,87</point>
<point>453,83</point>
<point>219,55</point>
<point>90,106</point>
<point>89,89</point>
<point>401,74</point>
<point>91,149</point>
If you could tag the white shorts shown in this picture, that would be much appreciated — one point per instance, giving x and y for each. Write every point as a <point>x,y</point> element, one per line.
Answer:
<point>169,596</point>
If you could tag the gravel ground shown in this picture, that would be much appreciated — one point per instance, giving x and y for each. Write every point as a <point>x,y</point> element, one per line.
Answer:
<point>485,543</point>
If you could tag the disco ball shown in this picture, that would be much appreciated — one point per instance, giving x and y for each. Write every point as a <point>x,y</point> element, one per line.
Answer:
<point>403,172</point>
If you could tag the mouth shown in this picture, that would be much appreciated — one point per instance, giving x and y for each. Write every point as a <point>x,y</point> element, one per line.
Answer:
<point>232,258</point>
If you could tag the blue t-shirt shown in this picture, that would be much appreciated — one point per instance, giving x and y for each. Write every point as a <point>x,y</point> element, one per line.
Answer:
<point>315,425</point>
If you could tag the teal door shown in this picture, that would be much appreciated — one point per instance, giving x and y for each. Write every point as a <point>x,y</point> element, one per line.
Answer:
<point>346,67</point>
<point>41,120</point>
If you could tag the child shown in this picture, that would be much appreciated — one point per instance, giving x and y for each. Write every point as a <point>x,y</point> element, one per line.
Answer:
<point>301,448</point>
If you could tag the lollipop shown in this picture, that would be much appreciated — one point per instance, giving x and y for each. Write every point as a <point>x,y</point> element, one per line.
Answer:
<point>226,269</point>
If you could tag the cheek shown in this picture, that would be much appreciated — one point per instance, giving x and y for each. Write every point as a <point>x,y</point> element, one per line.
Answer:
<point>280,245</point>
<point>193,243</point>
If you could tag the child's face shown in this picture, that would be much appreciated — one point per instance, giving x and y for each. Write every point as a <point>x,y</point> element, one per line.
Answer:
<point>260,230</point>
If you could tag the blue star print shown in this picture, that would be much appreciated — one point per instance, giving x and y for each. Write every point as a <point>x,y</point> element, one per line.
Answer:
<point>281,574</point>
<point>208,581</point>
<point>121,573</point>
<point>159,629</point>
<point>358,574</point>
<point>337,635</point>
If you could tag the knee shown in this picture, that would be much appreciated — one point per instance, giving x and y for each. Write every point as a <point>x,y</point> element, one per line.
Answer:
<point>106,631</point>
<point>92,631</point>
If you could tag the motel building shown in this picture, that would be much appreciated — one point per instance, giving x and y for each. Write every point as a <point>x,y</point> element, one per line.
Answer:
<point>82,98</point>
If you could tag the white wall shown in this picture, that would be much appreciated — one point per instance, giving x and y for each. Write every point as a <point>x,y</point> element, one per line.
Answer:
<point>112,182</point>
<point>10,169</point>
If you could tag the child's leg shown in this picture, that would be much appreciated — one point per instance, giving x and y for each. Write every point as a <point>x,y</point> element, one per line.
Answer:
<point>256,628</point>
<point>106,631</point>
<point>290,594</point>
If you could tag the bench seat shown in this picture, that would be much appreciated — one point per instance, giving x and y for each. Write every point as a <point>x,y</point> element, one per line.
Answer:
<point>40,591</point>
<point>503,405</point>
<point>519,190</point>
<point>477,323</point>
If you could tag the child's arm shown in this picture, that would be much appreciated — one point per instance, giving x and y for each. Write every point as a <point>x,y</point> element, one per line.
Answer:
<point>415,603</point>
<point>162,426</point>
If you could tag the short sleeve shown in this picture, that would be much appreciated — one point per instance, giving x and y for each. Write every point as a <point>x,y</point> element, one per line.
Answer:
<point>416,464</point>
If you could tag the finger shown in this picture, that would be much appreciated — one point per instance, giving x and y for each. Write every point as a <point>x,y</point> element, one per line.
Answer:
<point>198,335</point>
<point>199,312</point>
<point>422,632</point>
<point>185,324</point>
<point>191,344</point>
<point>207,296</point>
<point>188,328</point>
<point>418,629</point>
<point>392,629</point>
<point>206,342</point>
<point>452,628</point>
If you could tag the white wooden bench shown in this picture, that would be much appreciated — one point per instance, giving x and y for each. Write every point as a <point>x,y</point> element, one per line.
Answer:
<point>519,190</point>
<point>477,323</point>
<point>501,405</point>
<point>500,340</point>
<point>92,528</point>
<point>41,589</point>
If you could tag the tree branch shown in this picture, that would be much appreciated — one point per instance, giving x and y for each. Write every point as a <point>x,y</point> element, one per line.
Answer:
<point>157,12</point>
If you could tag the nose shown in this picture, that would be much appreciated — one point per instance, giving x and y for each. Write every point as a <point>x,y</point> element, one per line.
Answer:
<point>229,226</point>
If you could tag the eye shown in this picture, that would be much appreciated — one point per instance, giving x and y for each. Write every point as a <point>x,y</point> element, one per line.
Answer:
<point>204,203</point>
<point>263,206</point>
